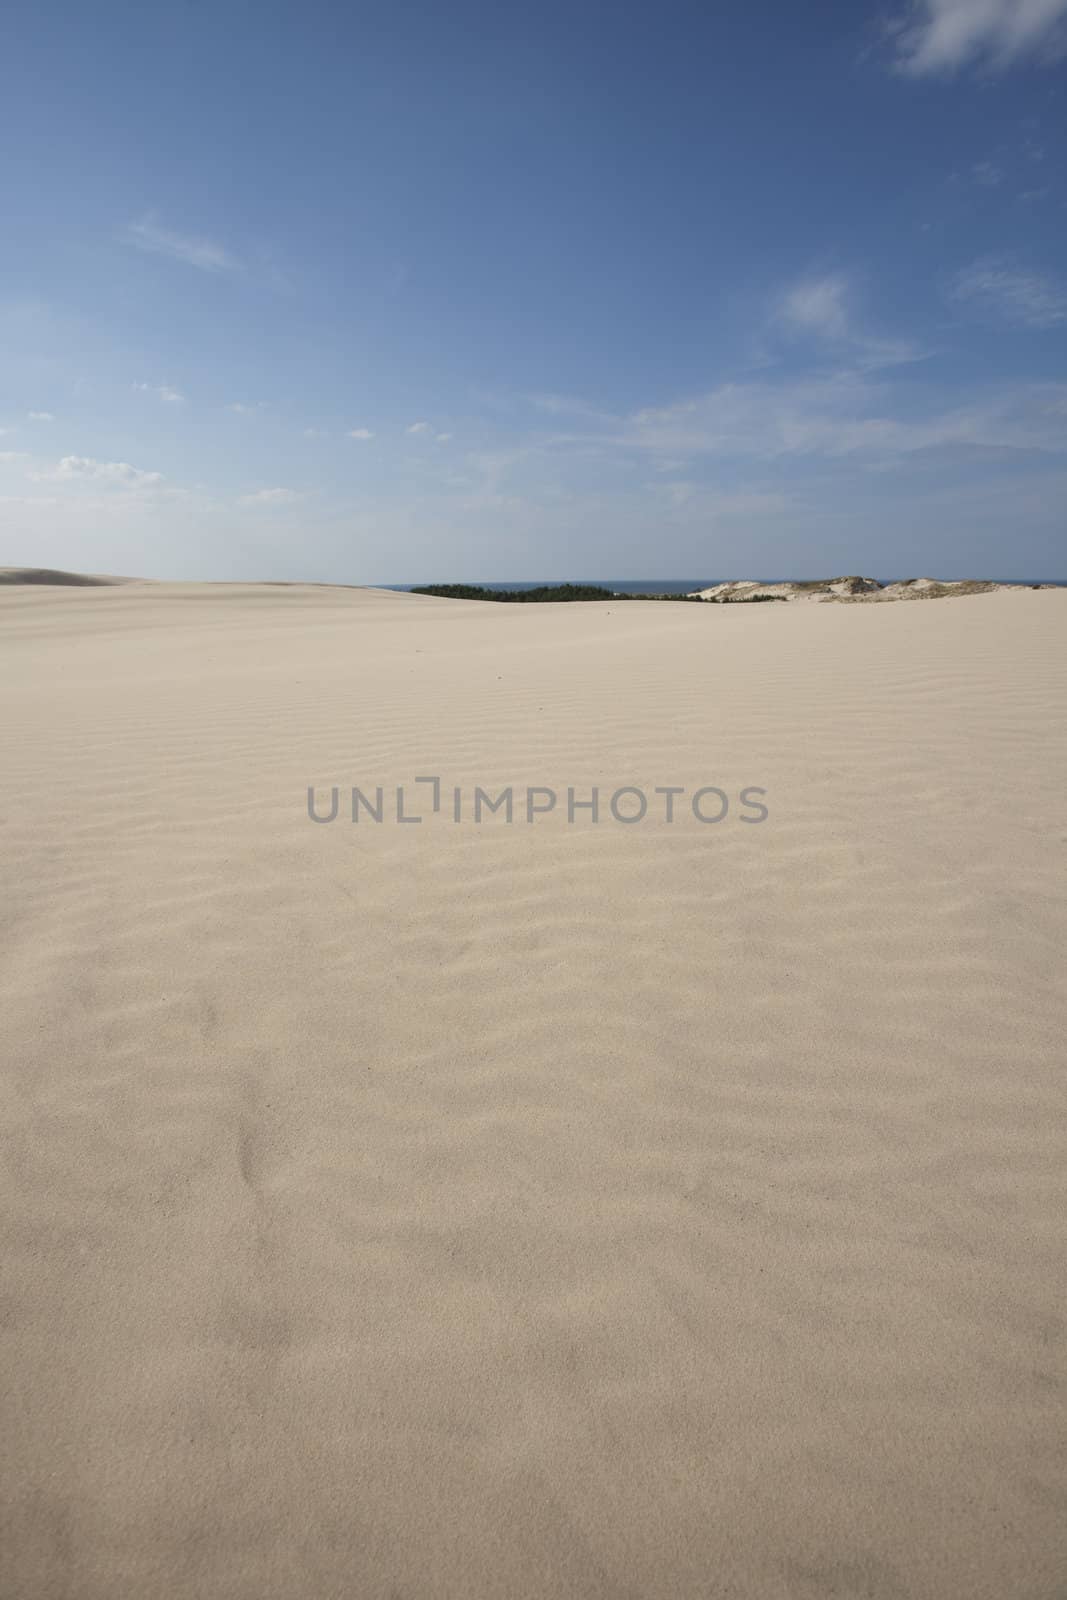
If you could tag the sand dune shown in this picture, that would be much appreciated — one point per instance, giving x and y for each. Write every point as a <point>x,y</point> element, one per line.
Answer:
<point>56,575</point>
<point>494,1210</point>
<point>857,590</point>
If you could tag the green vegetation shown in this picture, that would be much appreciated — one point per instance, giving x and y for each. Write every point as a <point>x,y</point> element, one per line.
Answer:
<point>689,597</point>
<point>572,591</point>
<point>474,591</point>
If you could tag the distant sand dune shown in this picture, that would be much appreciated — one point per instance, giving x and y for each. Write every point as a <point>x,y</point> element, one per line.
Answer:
<point>24,575</point>
<point>534,1210</point>
<point>856,590</point>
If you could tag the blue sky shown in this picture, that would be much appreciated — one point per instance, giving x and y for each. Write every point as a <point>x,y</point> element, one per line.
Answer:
<point>447,291</point>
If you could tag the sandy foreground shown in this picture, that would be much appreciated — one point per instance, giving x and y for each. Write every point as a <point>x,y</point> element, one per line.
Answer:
<point>541,1209</point>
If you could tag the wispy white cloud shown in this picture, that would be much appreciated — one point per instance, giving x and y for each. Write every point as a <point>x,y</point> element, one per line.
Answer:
<point>843,415</point>
<point>361,433</point>
<point>987,173</point>
<point>678,492</point>
<point>817,305</point>
<point>242,410</point>
<point>442,438</point>
<point>120,473</point>
<point>268,497</point>
<point>766,452</point>
<point>419,427</point>
<point>821,307</point>
<point>565,405</point>
<point>163,391</point>
<point>941,36</point>
<point>39,416</point>
<point>717,503</point>
<point>149,236</point>
<point>995,287</point>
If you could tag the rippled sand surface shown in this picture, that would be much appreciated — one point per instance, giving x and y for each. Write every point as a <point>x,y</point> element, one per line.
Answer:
<point>485,1210</point>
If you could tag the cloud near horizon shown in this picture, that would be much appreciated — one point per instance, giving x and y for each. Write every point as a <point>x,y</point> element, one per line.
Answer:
<point>845,414</point>
<point>117,472</point>
<point>268,497</point>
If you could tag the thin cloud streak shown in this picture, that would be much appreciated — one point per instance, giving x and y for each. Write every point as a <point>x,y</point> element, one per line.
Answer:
<point>268,497</point>
<point>844,415</point>
<point>163,391</point>
<point>148,236</point>
<point>1008,293</point>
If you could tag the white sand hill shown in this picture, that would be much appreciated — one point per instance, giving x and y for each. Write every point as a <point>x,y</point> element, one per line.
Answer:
<point>535,1210</point>
<point>855,590</point>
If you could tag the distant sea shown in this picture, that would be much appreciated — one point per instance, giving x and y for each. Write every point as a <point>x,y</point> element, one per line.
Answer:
<point>646,585</point>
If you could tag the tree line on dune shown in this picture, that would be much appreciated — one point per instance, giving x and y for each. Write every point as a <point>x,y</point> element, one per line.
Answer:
<point>563,591</point>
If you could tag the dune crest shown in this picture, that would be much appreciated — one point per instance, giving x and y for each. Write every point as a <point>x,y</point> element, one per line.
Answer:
<point>55,575</point>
